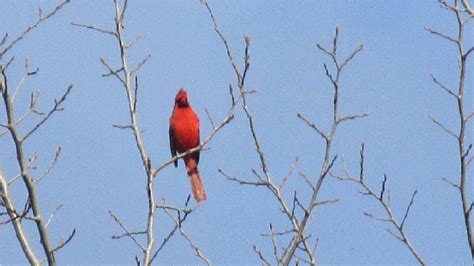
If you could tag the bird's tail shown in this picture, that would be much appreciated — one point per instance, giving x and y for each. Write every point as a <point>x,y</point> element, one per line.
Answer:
<point>195,179</point>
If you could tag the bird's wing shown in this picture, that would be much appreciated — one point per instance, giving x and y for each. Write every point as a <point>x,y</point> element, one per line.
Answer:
<point>198,143</point>
<point>172,148</point>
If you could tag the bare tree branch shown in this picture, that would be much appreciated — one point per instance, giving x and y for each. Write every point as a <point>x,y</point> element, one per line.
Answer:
<point>127,232</point>
<point>26,73</point>
<point>442,35</point>
<point>469,116</point>
<point>210,118</point>
<point>57,107</point>
<point>266,181</point>
<point>442,86</point>
<point>450,182</point>
<point>143,62</point>
<point>4,39</point>
<point>182,215</point>
<point>28,181</point>
<point>351,56</point>
<point>260,255</point>
<point>447,130</point>
<point>112,72</point>
<point>51,165</point>
<point>30,28</point>
<point>468,7</point>
<point>196,248</point>
<point>327,161</point>
<point>307,179</point>
<point>290,171</point>
<point>329,201</point>
<point>80,25</point>
<point>408,208</point>
<point>313,126</point>
<point>17,225</point>
<point>386,204</point>
<point>224,41</point>
<point>50,219</point>
<point>242,181</point>
<point>240,78</point>
<point>63,243</point>
<point>463,117</point>
<point>351,117</point>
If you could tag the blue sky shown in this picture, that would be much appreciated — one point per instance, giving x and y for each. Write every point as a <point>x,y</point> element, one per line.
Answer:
<point>100,168</point>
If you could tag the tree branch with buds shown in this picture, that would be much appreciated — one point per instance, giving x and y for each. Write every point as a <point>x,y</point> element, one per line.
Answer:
<point>463,16</point>
<point>19,139</point>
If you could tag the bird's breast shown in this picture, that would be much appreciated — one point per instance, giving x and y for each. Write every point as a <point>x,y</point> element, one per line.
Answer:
<point>185,127</point>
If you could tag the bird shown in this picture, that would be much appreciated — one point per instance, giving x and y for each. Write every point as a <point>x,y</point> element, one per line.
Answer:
<point>184,135</point>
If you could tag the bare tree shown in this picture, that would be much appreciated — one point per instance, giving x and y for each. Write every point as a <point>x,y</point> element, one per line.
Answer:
<point>31,210</point>
<point>128,78</point>
<point>299,224</point>
<point>463,16</point>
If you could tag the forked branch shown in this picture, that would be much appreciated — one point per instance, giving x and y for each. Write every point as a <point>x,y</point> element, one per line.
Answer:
<point>383,197</point>
<point>462,17</point>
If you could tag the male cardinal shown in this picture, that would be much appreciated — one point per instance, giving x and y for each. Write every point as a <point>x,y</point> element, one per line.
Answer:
<point>184,135</point>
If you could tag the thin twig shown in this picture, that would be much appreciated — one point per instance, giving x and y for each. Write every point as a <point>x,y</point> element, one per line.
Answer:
<point>4,39</point>
<point>313,126</point>
<point>442,86</point>
<point>351,56</point>
<point>80,25</point>
<point>451,183</point>
<point>53,214</point>
<point>307,179</point>
<point>351,117</point>
<point>26,73</point>
<point>127,232</point>
<point>442,35</point>
<point>290,171</point>
<point>260,255</point>
<point>139,66</point>
<point>56,108</point>
<point>196,248</point>
<point>178,223</point>
<point>51,165</point>
<point>408,208</point>
<point>447,130</point>
<point>210,118</point>
<point>242,181</point>
<point>63,243</point>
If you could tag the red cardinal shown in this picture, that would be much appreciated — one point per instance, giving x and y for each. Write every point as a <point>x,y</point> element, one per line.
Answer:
<point>184,135</point>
